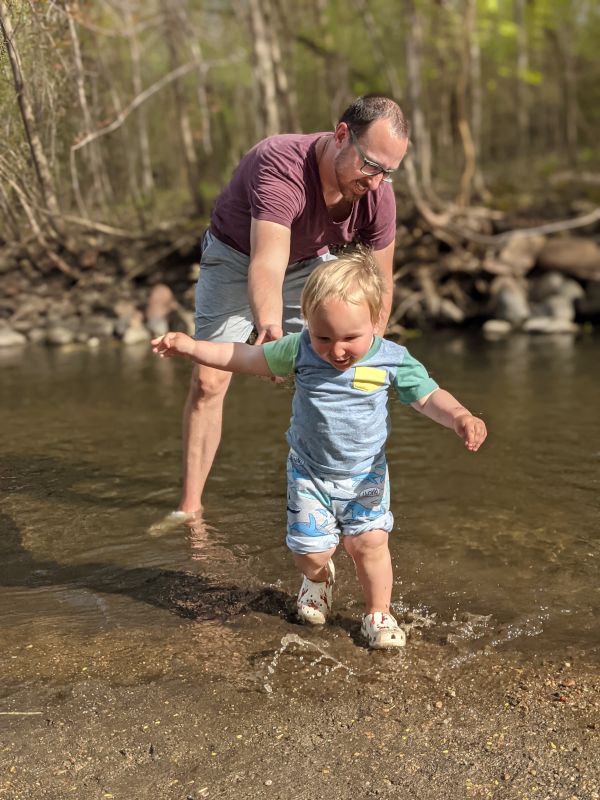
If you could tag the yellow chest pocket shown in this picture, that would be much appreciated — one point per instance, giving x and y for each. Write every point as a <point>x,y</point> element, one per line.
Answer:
<point>368,379</point>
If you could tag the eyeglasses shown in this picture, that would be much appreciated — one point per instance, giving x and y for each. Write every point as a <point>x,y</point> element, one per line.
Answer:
<point>370,168</point>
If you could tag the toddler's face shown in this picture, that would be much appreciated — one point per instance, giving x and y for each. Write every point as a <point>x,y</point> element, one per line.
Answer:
<point>341,333</point>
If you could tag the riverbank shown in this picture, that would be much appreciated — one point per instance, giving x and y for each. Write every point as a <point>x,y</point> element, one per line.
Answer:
<point>134,716</point>
<point>481,274</point>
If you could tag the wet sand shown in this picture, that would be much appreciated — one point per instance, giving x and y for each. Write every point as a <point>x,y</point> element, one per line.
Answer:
<point>248,704</point>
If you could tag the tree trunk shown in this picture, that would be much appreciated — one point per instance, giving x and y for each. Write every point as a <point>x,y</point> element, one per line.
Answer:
<point>414,59</point>
<point>384,64</point>
<point>567,114</point>
<point>264,68</point>
<point>136,79</point>
<point>100,182</point>
<point>476,102</point>
<point>522,95</point>
<point>286,97</point>
<point>174,38</point>
<point>464,128</point>
<point>570,94</point>
<point>38,155</point>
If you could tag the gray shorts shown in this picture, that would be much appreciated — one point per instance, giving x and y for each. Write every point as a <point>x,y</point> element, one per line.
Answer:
<point>222,309</point>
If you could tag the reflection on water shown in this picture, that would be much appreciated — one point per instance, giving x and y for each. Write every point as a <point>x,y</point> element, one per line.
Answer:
<point>497,549</point>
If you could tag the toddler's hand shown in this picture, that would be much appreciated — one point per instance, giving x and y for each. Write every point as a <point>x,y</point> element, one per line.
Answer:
<point>471,430</point>
<point>173,344</point>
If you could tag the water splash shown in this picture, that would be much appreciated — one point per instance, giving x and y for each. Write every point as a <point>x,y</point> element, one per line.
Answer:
<point>324,661</point>
<point>532,626</point>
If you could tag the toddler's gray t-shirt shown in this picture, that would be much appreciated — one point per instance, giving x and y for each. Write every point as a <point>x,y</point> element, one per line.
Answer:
<point>340,420</point>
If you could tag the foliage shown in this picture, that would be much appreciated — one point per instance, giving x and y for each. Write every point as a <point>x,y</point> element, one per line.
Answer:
<point>111,120</point>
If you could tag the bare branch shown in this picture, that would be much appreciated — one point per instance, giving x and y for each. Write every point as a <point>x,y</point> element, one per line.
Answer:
<point>145,95</point>
<point>122,33</point>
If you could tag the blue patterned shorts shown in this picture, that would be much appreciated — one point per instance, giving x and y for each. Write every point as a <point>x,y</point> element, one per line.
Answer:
<point>319,509</point>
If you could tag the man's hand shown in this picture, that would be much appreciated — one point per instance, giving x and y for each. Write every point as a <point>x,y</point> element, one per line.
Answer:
<point>173,344</point>
<point>471,430</point>
<point>268,333</point>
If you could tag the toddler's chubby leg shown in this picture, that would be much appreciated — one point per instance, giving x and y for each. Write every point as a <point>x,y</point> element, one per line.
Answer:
<point>314,565</point>
<point>373,563</point>
<point>312,536</point>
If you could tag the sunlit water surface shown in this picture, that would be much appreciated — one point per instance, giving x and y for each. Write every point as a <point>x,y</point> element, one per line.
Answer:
<point>493,550</point>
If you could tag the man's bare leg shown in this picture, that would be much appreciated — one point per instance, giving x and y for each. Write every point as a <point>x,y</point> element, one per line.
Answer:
<point>202,420</point>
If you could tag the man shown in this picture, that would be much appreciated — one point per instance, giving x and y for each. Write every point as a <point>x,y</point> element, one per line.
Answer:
<point>291,197</point>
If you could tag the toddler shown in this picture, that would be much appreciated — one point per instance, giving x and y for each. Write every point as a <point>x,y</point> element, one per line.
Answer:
<point>337,475</point>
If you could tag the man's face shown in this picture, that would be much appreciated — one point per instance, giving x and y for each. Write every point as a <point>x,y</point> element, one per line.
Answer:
<point>377,146</point>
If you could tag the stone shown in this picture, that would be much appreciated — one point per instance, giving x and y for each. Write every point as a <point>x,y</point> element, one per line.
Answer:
<point>136,332</point>
<point>549,325</point>
<point>182,320</point>
<point>157,326</point>
<point>521,252</point>
<point>124,311</point>
<point>161,303</point>
<point>559,307</point>
<point>554,295</point>
<point>589,304</point>
<point>11,338</point>
<point>450,311</point>
<point>36,335</point>
<point>497,327</point>
<point>574,255</point>
<point>58,335</point>
<point>509,300</point>
<point>546,285</point>
<point>98,326</point>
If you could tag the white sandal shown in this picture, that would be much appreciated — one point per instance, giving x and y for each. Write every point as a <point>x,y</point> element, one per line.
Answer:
<point>381,631</point>
<point>315,598</point>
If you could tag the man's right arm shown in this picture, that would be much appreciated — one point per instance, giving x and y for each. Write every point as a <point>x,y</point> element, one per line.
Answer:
<point>269,258</point>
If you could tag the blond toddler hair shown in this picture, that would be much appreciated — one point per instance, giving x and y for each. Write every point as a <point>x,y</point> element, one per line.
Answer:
<point>352,278</point>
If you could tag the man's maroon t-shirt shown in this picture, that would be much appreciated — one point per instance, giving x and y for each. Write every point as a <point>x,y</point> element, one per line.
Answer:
<point>278,180</point>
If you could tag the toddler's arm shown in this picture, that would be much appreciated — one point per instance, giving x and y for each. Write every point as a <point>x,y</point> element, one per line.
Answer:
<point>228,356</point>
<point>442,407</point>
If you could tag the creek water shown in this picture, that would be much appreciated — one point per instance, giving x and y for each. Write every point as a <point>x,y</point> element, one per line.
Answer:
<point>498,549</point>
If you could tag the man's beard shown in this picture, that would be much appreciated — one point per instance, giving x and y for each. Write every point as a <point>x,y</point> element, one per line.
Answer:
<point>348,187</point>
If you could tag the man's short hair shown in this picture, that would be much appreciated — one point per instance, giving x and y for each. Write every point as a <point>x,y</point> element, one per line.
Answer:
<point>370,107</point>
<point>353,278</point>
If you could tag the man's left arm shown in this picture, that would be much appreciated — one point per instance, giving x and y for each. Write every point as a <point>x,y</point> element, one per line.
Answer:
<point>385,262</point>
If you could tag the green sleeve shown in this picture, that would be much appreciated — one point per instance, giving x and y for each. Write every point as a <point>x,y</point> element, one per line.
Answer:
<point>281,354</point>
<point>412,381</point>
